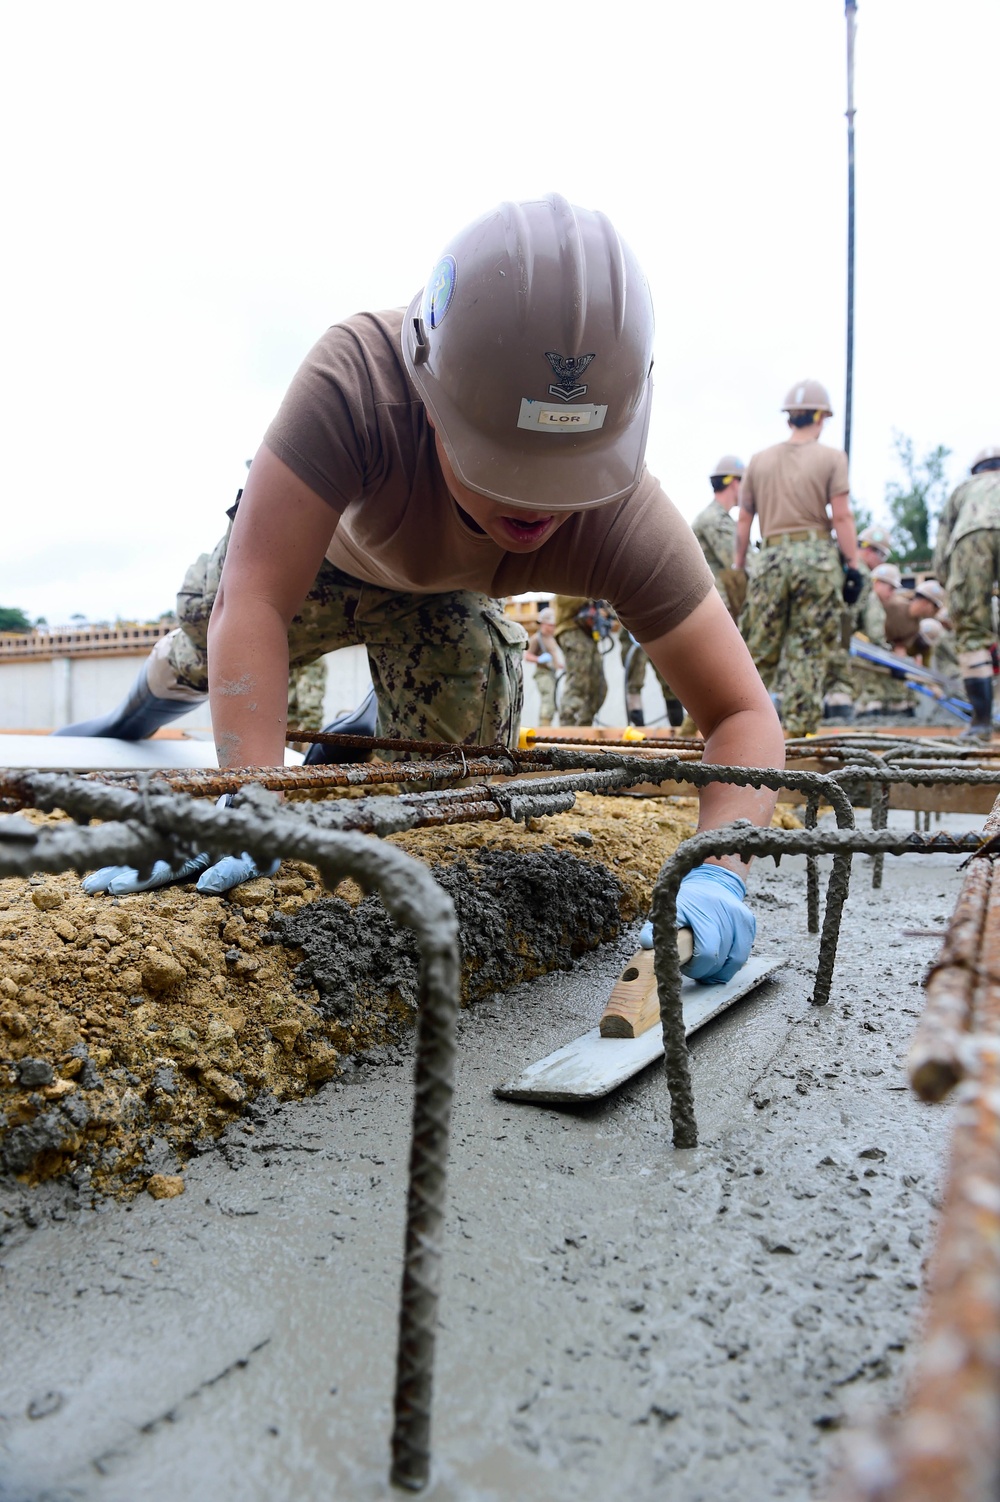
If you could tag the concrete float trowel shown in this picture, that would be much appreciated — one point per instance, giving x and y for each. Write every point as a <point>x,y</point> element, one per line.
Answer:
<point>629,1037</point>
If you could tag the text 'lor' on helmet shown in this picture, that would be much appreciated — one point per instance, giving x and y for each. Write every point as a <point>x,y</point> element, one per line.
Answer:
<point>808,396</point>
<point>531,347</point>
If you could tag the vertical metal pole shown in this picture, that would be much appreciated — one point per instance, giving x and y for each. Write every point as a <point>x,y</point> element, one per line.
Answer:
<point>852,20</point>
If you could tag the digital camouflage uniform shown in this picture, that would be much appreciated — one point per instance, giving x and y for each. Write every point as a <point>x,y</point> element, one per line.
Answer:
<point>795,603</point>
<point>715,530</point>
<point>306,689</point>
<point>545,680</point>
<point>446,667</point>
<point>583,686</point>
<point>967,562</point>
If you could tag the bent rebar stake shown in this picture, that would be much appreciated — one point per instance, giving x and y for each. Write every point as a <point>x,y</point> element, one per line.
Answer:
<point>155,823</point>
<point>744,839</point>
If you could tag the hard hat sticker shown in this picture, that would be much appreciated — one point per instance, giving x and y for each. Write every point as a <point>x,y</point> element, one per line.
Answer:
<point>567,369</point>
<point>439,291</point>
<point>568,419</point>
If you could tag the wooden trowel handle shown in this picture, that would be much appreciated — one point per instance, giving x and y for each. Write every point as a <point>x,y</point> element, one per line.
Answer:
<point>634,1005</point>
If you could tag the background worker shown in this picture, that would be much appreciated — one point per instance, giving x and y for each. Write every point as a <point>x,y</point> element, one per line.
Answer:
<point>582,627</point>
<point>967,561</point>
<point>394,501</point>
<point>795,593</point>
<point>865,617</point>
<point>715,530</point>
<point>543,651</point>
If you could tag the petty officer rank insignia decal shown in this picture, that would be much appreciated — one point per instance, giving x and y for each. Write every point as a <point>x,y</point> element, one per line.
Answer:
<point>567,372</point>
<point>439,292</point>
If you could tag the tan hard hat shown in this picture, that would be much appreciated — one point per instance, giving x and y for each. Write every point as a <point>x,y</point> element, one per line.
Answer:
<point>876,537</point>
<point>984,456</point>
<point>728,465</point>
<point>808,396</point>
<point>888,573</point>
<point>531,347</point>
<point>932,631</point>
<point>546,617</point>
<point>931,590</point>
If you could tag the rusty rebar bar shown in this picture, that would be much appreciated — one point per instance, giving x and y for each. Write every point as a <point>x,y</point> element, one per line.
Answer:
<point>152,823</point>
<point>747,841</point>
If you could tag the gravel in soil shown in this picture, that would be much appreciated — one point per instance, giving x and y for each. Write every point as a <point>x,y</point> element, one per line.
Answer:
<point>131,1028</point>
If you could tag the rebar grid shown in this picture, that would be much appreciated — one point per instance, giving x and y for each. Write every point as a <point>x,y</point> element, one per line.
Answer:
<point>945,1447</point>
<point>744,839</point>
<point>154,823</point>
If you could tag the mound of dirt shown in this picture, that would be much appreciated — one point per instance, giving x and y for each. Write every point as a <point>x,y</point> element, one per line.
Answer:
<point>132,1028</point>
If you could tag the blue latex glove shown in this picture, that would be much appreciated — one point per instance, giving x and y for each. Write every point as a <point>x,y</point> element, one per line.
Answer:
<point>229,872</point>
<point>711,903</point>
<point>543,658</point>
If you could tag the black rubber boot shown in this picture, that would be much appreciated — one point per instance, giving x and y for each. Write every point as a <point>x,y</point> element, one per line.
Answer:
<point>360,721</point>
<point>675,712</point>
<point>636,717</point>
<point>979,692</point>
<point>138,715</point>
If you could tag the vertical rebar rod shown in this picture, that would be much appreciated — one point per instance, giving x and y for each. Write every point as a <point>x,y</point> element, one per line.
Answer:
<point>812,869</point>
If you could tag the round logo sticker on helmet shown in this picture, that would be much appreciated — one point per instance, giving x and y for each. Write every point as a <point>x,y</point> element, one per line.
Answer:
<point>439,291</point>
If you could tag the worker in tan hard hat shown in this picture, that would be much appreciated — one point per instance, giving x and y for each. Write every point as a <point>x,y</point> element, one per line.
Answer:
<point>799,491</point>
<point>715,529</point>
<point>967,561</point>
<point>486,441</point>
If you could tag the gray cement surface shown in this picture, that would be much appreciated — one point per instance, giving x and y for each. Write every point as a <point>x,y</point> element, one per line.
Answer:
<point>616,1316</point>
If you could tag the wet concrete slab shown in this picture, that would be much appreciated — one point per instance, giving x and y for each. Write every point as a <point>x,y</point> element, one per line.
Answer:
<point>614,1313</point>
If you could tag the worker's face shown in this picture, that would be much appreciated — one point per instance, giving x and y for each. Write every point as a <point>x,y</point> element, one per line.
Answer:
<point>730,497</point>
<point>884,590</point>
<point>871,556</point>
<point>516,530</point>
<point>922,608</point>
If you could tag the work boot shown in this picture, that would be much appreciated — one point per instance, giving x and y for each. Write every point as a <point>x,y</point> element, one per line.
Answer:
<point>979,692</point>
<point>675,712</point>
<point>636,717</point>
<point>360,721</point>
<point>138,715</point>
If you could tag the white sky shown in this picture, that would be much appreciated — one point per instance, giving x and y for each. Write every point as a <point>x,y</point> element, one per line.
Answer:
<point>193,191</point>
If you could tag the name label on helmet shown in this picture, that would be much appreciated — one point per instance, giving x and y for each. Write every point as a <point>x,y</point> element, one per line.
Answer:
<point>563,419</point>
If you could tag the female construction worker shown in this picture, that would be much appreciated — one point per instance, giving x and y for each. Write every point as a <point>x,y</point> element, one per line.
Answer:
<point>486,441</point>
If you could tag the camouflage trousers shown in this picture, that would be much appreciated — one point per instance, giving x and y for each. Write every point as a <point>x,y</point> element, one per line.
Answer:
<point>446,667</point>
<point>973,566</point>
<point>583,684</point>
<point>634,662</point>
<point>793,611</point>
<point>545,685</point>
<point>306,688</point>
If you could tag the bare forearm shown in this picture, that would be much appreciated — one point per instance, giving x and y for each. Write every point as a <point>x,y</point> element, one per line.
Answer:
<point>248,683</point>
<point>750,739</point>
<point>844,529</point>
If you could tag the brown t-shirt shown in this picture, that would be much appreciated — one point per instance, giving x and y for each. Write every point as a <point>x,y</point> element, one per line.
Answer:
<point>353,428</point>
<point>790,484</point>
<point>901,628</point>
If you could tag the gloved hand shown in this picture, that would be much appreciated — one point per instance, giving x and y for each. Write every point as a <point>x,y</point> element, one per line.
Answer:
<point>711,903</point>
<point>853,584</point>
<point>543,658</point>
<point>227,873</point>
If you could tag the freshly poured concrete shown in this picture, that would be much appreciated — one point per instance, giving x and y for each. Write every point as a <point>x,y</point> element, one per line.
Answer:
<point>616,1316</point>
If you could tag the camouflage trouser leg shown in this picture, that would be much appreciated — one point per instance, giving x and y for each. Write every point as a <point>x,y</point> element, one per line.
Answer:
<point>634,662</point>
<point>794,602</point>
<point>583,686</point>
<point>445,667</point>
<point>973,566</point>
<point>306,688</point>
<point>545,685</point>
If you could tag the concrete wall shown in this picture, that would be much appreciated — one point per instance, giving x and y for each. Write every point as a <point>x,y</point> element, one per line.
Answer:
<point>40,695</point>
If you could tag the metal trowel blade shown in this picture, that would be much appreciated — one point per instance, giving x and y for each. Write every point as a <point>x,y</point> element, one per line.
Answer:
<point>591,1066</point>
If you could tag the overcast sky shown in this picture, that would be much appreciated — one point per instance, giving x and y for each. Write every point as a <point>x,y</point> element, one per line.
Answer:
<point>194,191</point>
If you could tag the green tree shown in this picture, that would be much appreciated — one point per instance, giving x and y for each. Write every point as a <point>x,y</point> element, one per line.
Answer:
<point>915,503</point>
<point>12,619</point>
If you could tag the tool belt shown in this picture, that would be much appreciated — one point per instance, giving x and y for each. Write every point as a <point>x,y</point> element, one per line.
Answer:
<point>797,534</point>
